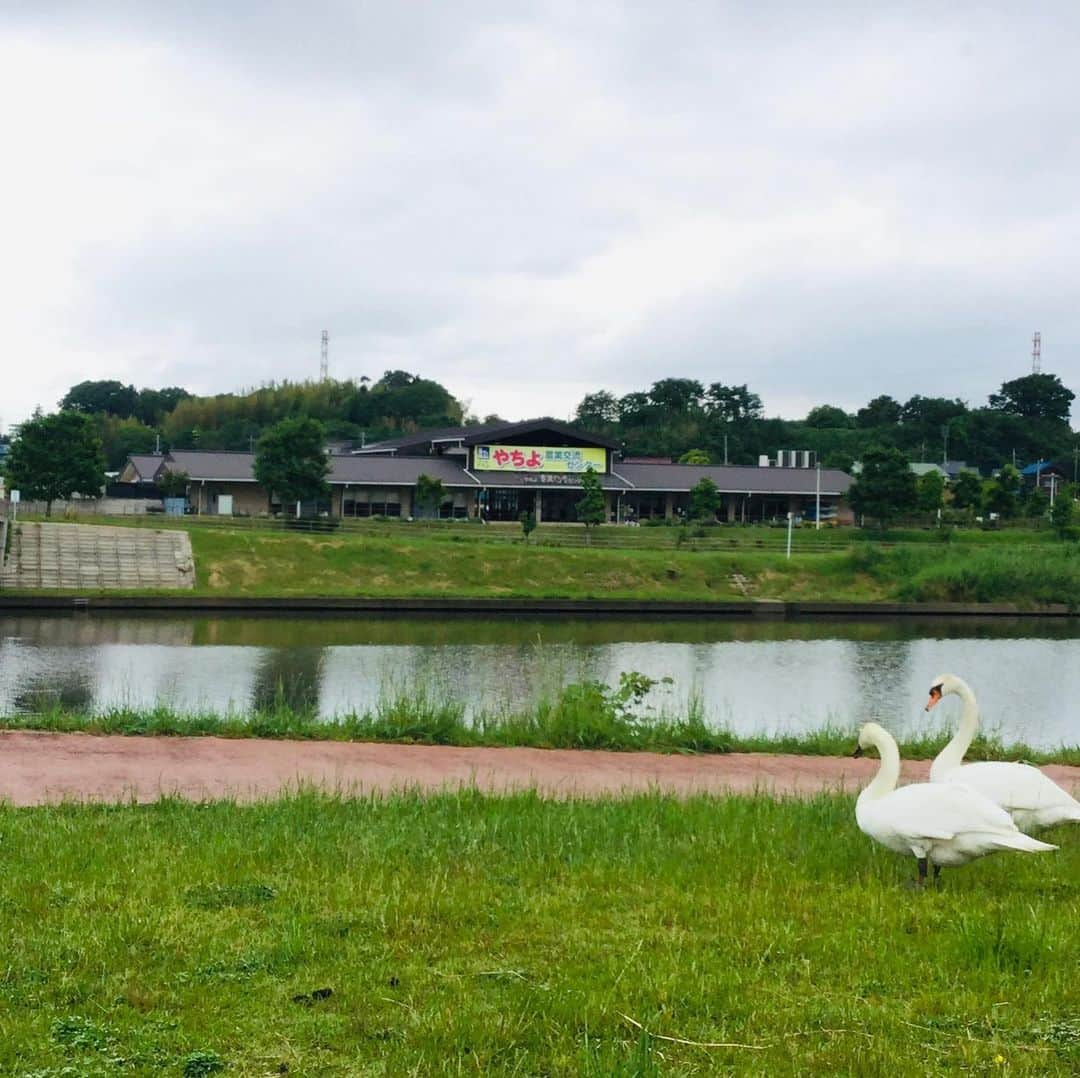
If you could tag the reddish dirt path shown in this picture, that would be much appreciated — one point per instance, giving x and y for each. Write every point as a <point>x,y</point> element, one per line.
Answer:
<point>37,768</point>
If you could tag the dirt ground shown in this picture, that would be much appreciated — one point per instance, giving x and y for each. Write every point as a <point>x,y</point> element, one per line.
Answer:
<point>40,768</point>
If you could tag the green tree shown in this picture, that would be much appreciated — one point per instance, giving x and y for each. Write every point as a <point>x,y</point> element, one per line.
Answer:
<point>882,411</point>
<point>1036,504</point>
<point>704,500</point>
<point>827,416</point>
<point>885,488</point>
<point>528,525</point>
<point>931,492</point>
<point>590,508</point>
<point>291,461</point>
<point>966,490</point>
<point>154,404</point>
<point>173,484</point>
<point>732,404</point>
<point>56,456</point>
<point>429,494</point>
<point>1063,513</point>
<point>695,456</point>
<point>107,397</point>
<point>1000,494</point>
<point>634,408</point>
<point>677,394</point>
<point>597,410</point>
<point>120,438</point>
<point>1036,396</point>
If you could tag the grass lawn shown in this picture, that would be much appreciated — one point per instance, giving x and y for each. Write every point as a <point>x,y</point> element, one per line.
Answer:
<point>403,561</point>
<point>472,935</point>
<point>239,563</point>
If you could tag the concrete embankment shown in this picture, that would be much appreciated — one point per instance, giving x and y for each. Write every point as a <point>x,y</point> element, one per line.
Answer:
<point>78,556</point>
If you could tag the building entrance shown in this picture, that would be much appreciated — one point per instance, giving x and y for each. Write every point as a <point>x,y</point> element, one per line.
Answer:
<point>500,503</point>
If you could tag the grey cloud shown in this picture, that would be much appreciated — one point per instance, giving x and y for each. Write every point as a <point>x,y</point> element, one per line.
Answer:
<point>532,201</point>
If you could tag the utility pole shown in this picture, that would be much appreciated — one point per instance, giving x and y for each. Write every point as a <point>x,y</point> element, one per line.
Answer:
<point>324,357</point>
<point>817,499</point>
<point>1036,354</point>
<point>725,449</point>
<point>945,435</point>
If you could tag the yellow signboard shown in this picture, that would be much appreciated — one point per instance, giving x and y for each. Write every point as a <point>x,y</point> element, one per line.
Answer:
<point>538,458</point>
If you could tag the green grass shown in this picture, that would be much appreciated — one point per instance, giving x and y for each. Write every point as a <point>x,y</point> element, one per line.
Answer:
<point>464,934</point>
<point>401,562</point>
<point>580,716</point>
<point>239,563</point>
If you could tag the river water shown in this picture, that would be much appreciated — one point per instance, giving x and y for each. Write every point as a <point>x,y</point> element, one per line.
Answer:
<point>771,677</point>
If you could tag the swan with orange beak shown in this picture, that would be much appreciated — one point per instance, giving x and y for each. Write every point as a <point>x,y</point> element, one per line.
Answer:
<point>1032,799</point>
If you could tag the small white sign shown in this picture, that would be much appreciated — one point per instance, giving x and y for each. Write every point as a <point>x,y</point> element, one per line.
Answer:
<point>16,495</point>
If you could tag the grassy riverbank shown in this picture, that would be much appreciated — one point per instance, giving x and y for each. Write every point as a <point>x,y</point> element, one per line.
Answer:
<point>274,564</point>
<point>1025,568</point>
<point>582,716</point>
<point>467,934</point>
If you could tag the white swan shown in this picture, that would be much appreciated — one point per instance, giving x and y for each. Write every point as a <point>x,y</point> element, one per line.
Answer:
<point>941,824</point>
<point>1031,798</point>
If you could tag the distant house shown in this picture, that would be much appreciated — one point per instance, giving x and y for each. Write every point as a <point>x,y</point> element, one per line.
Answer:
<point>921,468</point>
<point>496,471</point>
<point>142,468</point>
<point>1045,474</point>
<point>953,468</point>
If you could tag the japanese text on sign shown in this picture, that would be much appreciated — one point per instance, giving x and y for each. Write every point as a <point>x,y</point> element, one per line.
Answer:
<point>541,458</point>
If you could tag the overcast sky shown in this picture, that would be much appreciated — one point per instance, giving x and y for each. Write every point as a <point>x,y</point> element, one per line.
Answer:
<point>529,202</point>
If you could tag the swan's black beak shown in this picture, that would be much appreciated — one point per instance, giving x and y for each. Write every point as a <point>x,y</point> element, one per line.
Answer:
<point>935,698</point>
<point>858,752</point>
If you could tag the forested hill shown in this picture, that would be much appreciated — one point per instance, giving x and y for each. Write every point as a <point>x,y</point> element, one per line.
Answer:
<point>677,417</point>
<point>132,421</point>
<point>1026,420</point>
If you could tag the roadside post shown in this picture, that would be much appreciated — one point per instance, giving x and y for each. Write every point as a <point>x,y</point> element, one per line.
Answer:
<point>790,526</point>
<point>15,496</point>
<point>817,498</point>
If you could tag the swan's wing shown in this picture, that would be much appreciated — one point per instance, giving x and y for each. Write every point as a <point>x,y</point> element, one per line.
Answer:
<point>1020,786</point>
<point>942,811</point>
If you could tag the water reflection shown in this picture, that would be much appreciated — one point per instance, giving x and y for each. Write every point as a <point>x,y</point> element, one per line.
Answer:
<point>751,676</point>
<point>287,677</point>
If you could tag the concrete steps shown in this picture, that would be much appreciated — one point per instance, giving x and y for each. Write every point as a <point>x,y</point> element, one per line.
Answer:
<point>94,557</point>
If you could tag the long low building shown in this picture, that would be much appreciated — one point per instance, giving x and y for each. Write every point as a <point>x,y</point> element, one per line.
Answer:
<point>496,471</point>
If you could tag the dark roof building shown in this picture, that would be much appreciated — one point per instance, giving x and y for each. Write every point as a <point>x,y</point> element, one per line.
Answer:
<point>496,471</point>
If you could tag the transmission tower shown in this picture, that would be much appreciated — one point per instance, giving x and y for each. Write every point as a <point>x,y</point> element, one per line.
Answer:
<point>1036,354</point>
<point>324,357</point>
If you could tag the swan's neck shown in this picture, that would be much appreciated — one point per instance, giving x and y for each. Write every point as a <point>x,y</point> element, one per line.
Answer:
<point>952,756</point>
<point>888,773</point>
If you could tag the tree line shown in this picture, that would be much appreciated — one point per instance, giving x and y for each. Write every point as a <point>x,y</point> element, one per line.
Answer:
<point>887,490</point>
<point>130,420</point>
<point>682,418</point>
